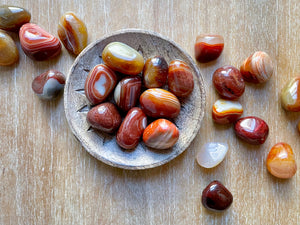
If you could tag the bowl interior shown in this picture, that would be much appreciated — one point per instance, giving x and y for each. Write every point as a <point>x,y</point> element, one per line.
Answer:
<point>103,146</point>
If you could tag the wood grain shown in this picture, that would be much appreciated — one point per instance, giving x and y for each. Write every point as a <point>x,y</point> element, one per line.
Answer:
<point>47,178</point>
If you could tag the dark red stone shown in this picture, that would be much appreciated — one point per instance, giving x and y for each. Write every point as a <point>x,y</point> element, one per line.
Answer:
<point>252,130</point>
<point>229,82</point>
<point>216,197</point>
<point>132,128</point>
<point>104,117</point>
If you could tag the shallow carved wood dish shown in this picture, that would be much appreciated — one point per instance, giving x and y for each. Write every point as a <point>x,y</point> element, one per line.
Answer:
<point>103,146</point>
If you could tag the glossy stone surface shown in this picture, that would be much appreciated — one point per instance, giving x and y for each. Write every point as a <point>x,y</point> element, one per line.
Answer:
<point>132,128</point>
<point>157,102</point>
<point>13,17</point>
<point>257,68</point>
<point>155,72</point>
<point>127,92</point>
<point>252,130</point>
<point>180,78</point>
<point>161,134</point>
<point>104,117</point>
<point>122,58</point>
<point>72,33</point>
<point>290,95</point>
<point>9,53</point>
<point>37,43</point>
<point>281,161</point>
<point>208,47</point>
<point>211,154</point>
<point>49,84</point>
<point>99,83</point>
<point>216,197</point>
<point>226,111</point>
<point>229,82</point>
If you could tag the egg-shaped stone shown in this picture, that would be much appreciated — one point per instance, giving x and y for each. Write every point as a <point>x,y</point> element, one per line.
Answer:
<point>257,68</point>
<point>49,84</point>
<point>99,83</point>
<point>13,17</point>
<point>9,53</point>
<point>123,58</point>
<point>211,154</point>
<point>281,161</point>
<point>104,117</point>
<point>252,130</point>
<point>37,43</point>
<point>127,92</point>
<point>132,128</point>
<point>72,33</point>
<point>226,111</point>
<point>155,72</point>
<point>161,134</point>
<point>290,95</point>
<point>157,102</point>
<point>180,78</point>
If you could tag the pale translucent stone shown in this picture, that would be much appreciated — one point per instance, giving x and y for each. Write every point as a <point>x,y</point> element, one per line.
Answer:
<point>211,154</point>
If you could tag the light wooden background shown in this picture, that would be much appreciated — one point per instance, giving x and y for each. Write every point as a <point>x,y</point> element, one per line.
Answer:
<point>46,177</point>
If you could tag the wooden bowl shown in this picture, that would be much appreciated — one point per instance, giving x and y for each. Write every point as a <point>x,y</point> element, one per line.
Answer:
<point>103,146</point>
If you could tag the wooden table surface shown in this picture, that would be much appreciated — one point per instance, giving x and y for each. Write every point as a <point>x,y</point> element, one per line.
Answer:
<point>46,177</point>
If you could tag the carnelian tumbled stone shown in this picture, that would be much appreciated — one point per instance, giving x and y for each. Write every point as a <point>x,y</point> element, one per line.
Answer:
<point>180,78</point>
<point>226,111</point>
<point>257,68</point>
<point>104,117</point>
<point>37,43</point>
<point>72,33</point>
<point>132,128</point>
<point>99,83</point>
<point>157,102</point>
<point>49,84</point>
<point>155,72</point>
<point>290,95</point>
<point>127,92</point>
<point>13,17</point>
<point>229,82</point>
<point>123,58</point>
<point>216,197</point>
<point>281,161</point>
<point>9,53</point>
<point>161,134</point>
<point>208,47</point>
<point>252,130</point>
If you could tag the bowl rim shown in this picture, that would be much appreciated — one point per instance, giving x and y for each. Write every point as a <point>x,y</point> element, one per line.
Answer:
<point>202,93</point>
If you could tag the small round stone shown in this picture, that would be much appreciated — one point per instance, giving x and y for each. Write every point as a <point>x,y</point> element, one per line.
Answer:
<point>229,82</point>
<point>216,197</point>
<point>211,154</point>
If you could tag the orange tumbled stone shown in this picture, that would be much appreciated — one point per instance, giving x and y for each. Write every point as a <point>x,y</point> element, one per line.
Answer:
<point>9,53</point>
<point>157,102</point>
<point>161,134</point>
<point>72,33</point>
<point>123,58</point>
<point>281,161</point>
